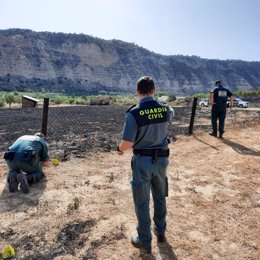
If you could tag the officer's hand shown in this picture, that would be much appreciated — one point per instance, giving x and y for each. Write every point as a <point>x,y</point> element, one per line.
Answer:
<point>45,164</point>
<point>118,151</point>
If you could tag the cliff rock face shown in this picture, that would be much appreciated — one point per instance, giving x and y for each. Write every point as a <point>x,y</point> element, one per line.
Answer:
<point>82,64</point>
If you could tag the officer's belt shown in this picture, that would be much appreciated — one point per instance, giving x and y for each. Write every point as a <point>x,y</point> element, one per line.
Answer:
<point>152,152</point>
<point>25,156</point>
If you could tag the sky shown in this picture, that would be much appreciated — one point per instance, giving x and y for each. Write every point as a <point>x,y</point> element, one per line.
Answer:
<point>213,29</point>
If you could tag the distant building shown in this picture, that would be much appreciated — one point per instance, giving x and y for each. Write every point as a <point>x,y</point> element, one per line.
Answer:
<point>28,102</point>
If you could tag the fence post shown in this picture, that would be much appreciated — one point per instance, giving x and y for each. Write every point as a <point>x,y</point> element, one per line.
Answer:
<point>45,116</point>
<point>194,105</point>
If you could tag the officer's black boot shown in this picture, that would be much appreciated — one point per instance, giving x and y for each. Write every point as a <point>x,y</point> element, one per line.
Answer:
<point>213,134</point>
<point>12,181</point>
<point>221,133</point>
<point>22,179</point>
<point>137,243</point>
<point>160,238</point>
<point>29,178</point>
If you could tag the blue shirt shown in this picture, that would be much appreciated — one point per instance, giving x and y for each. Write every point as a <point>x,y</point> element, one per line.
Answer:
<point>28,143</point>
<point>221,95</point>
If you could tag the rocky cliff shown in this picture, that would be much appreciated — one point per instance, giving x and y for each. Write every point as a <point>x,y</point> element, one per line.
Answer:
<point>81,64</point>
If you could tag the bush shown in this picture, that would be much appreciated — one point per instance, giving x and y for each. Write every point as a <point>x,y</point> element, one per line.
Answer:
<point>125,100</point>
<point>70,100</point>
<point>2,102</point>
<point>247,93</point>
<point>58,100</point>
<point>9,98</point>
<point>113,99</point>
<point>17,99</point>
<point>81,101</point>
<point>201,95</point>
<point>160,93</point>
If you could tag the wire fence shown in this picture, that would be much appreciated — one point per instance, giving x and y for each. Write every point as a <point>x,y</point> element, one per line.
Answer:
<point>81,129</point>
<point>16,122</point>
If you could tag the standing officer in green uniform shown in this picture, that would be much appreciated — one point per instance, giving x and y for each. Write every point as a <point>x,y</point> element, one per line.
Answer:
<point>218,99</point>
<point>145,130</point>
<point>25,159</point>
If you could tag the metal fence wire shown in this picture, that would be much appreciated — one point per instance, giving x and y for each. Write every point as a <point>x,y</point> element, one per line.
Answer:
<point>84,129</point>
<point>15,122</point>
<point>81,129</point>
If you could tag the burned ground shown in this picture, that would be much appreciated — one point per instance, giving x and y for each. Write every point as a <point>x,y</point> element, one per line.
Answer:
<point>84,209</point>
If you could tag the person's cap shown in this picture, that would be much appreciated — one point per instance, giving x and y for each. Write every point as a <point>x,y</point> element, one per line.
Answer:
<point>217,82</point>
<point>40,135</point>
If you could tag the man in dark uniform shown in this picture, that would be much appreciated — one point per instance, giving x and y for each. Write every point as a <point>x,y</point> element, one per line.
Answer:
<point>218,99</point>
<point>145,130</point>
<point>25,159</point>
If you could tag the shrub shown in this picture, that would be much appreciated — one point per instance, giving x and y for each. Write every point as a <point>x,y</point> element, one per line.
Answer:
<point>80,101</point>
<point>9,98</point>
<point>160,93</point>
<point>2,102</point>
<point>17,99</point>
<point>125,100</point>
<point>201,95</point>
<point>58,100</point>
<point>247,93</point>
<point>113,99</point>
<point>70,100</point>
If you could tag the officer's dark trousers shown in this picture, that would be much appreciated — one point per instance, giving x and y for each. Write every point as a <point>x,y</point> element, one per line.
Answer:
<point>218,113</point>
<point>148,176</point>
<point>34,172</point>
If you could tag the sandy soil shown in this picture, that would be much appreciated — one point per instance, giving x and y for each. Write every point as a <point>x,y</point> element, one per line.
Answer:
<point>84,209</point>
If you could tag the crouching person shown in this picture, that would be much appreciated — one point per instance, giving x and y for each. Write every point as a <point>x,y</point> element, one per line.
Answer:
<point>26,158</point>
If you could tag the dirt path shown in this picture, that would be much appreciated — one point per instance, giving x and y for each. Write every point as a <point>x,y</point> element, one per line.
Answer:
<point>84,210</point>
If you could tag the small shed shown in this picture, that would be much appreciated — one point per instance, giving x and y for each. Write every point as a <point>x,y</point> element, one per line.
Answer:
<point>28,102</point>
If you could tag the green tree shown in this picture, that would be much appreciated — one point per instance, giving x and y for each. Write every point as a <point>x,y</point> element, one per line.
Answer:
<point>201,95</point>
<point>71,100</point>
<point>160,93</point>
<point>246,93</point>
<point>9,98</point>
<point>2,102</point>
<point>17,99</point>
<point>58,100</point>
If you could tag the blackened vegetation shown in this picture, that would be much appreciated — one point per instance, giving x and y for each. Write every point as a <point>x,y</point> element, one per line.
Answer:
<point>80,130</point>
<point>6,235</point>
<point>72,237</point>
<point>77,129</point>
<point>112,238</point>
